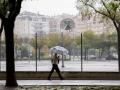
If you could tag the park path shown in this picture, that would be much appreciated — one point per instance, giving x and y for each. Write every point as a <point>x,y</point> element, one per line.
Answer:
<point>45,65</point>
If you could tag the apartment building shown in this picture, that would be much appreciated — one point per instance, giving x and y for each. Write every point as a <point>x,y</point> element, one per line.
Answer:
<point>27,24</point>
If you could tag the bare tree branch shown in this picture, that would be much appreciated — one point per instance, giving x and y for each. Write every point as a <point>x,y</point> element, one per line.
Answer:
<point>109,15</point>
<point>97,10</point>
<point>106,7</point>
<point>116,25</point>
<point>113,17</point>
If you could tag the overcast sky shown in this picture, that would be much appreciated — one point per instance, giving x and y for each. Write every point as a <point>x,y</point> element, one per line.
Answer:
<point>50,7</point>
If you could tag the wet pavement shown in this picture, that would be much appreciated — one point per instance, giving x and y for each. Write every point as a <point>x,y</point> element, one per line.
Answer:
<point>45,65</point>
<point>66,82</point>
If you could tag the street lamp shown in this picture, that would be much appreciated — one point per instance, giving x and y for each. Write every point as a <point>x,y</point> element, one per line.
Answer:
<point>81,52</point>
<point>36,49</point>
<point>66,24</point>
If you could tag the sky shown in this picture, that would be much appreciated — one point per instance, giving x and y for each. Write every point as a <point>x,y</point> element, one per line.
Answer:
<point>50,7</point>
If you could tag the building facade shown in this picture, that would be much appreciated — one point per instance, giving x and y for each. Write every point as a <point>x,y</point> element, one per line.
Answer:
<point>27,24</point>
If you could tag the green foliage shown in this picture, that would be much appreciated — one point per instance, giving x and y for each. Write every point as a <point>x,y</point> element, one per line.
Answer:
<point>53,39</point>
<point>66,41</point>
<point>97,41</point>
<point>89,39</point>
<point>86,13</point>
<point>40,42</point>
<point>108,8</point>
<point>113,10</point>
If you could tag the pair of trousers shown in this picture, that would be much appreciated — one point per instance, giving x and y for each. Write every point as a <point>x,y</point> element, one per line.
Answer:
<point>55,67</point>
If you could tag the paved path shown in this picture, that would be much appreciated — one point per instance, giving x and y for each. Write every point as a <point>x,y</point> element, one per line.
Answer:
<point>66,82</point>
<point>64,85</point>
<point>43,65</point>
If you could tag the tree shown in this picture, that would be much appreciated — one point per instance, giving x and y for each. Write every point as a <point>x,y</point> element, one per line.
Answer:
<point>109,9</point>
<point>54,39</point>
<point>85,12</point>
<point>66,41</point>
<point>106,43</point>
<point>88,41</point>
<point>9,9</point>
<point>1,29</point>
<point>17,44</point>
<point>110,42</point>
<point>41,41</point>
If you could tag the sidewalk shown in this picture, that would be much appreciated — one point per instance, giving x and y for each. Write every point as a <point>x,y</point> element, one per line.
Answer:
<point>65,82</point>
<point>64,85</point>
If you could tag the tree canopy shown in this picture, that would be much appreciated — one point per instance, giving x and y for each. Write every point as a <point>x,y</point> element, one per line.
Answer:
<point>108,8</point>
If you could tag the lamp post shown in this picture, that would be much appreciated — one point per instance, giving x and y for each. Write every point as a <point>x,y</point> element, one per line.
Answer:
<point>36,49</point>
<point>62,46</point>
<point>66,24</point>
<point>81,52</point>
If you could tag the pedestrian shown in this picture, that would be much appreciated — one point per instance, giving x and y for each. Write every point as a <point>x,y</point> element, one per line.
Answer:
<point>55,62</point>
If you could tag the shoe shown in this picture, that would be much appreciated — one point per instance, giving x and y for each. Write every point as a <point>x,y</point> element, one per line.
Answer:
<point>49,79</point>
<point>61,79</point>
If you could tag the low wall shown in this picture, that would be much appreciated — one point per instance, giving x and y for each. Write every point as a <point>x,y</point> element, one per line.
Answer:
<point>66,75</point>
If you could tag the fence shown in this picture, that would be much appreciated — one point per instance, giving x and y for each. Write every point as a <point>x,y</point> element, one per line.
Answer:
<point>82,47</point>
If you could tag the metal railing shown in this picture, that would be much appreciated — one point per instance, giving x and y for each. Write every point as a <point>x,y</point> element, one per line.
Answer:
<point>36,48</point>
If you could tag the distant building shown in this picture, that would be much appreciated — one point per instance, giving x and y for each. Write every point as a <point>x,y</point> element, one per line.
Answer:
<point>92,23</point>
<point>53,25</point>
<point>27,24</point>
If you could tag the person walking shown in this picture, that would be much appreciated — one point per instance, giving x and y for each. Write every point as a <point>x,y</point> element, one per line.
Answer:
<point>55,62</point>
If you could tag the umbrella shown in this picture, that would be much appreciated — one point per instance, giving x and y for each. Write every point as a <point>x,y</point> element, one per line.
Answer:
<point>59,50</point>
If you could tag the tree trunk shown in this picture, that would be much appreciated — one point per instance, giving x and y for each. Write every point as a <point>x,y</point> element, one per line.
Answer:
<point>117,26</point>
<point>10,61</point>
<point>118,32</point>
<point>0,48</point>
<point>1,29</point>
